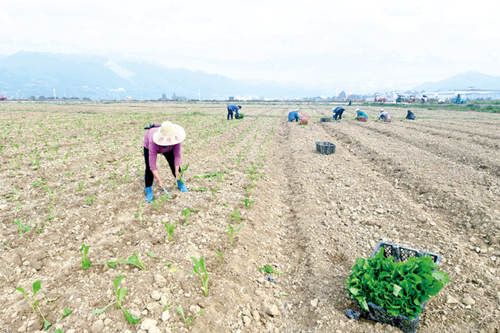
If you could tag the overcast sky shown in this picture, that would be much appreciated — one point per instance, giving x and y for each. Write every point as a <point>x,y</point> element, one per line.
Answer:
<point>349,45</point>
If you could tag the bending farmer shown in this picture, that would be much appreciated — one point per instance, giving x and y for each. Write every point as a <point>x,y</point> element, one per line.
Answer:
<point>294,115</point>
<point>410,115</point>
<point>232,108</point>
<point>360,115</point>
<point>165,140</point>
<point>337,113</point>
<point>383,115</point>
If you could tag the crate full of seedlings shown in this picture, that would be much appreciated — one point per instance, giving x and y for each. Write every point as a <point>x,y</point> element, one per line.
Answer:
<point>394,284</point>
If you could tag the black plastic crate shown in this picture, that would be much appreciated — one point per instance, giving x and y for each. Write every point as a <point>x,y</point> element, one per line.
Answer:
<point>325,148</point>
<point>326,120</point>
<point>378,314</point>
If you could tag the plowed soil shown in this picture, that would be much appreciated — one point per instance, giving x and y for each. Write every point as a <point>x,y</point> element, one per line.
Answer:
<point>74,173</point>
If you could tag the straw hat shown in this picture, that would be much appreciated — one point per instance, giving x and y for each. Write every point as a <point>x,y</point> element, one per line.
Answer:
<point>169,134</point>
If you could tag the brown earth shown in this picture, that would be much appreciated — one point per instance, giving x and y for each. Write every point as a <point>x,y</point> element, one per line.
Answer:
<point>431,184</point>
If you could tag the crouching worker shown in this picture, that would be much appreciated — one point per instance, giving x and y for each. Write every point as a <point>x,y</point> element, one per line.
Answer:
<point>166,140</point>
<point>384,116</point>
<point>360,115</point>
<point>232,108</point>
<point>294,115</point>
<point>337,113</point>
<point>410,115</point>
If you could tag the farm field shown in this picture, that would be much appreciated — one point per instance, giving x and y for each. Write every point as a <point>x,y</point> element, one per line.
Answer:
<point>75,175</point>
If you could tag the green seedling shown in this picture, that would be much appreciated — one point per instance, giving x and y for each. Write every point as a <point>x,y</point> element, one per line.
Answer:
<point>80,186</point>
<point>188,321</point>
<point>90,199</point>
<point>154,256</point>
<point>220,256</point>
<point>139,214</point>
<point>269,270</point>
<point>231,232</point>
<point>120,294</point>
<point>158,203</point>
<point>186,212</point>
<point>214,191</point>
<point>14,196</point>
<point>39,182</point>
<point>182,173</point>
<point>201,189</point>
<point>236,215</point>
<point>199,266</point>
<point>132,260</point>
<point>170,230</point>
<point>17,208</point>
<point>22,227</point>
<point>247,202</point>
<point>37,285</point>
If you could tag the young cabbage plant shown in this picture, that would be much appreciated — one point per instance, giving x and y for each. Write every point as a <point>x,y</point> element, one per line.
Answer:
<point>220,256</point>
<point>231,232</point>
<point>189,320</point>
<point>80,186</point>
<point>158,203</point>
<point>120,294</point>
<point>247,202</point>
<point>139,213</point>
<point>201,271</point>
<point>236,215</point>
<point>22,227</point>
<point>170,229</point>
<point>186,212</point>
<point>269,270</point>
<point>181,178</point>
<point>34,304</point>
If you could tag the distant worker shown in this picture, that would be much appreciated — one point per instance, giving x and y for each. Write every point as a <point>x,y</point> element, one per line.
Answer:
<point>350,102</point>
<point>294,115</point>
<point>232,108</point>
<point>360,115</point>
<point>383,115</point>
<point>166,140</point>
<point>410,115</point>
<point>337,113</point>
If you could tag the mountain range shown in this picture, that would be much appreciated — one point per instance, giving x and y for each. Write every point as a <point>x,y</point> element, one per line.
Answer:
<point>468,80</point>
<point>26,74</point>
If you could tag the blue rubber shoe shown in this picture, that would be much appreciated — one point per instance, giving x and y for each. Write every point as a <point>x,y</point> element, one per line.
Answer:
<point>149,194</point>
<point>182,187</point>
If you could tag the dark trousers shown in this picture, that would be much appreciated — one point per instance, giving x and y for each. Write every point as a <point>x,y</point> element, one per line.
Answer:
<point>148,174</point>
<point>338,115</point>
<point>229,113</point>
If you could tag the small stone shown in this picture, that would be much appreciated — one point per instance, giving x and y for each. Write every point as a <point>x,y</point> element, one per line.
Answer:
<point>273,310</point>
<point>71,331</point>
<point>98,326</point>
<point>108,322</point>
<point>164,301</point>
<point>165,316</point>
<point>194,309</point>
<point>160,281</point>
<point>102,316</point>
<point>468,300</point>
<point>314,303</point>
<point>153,306</point>
<point>22,328</point>
<point>156,295</point>
<point>147,324</point>
<point>154,329</point>
<point>247,321</point>
<point>256,315</point>
<point>235,251</point>
<point>451,300</point>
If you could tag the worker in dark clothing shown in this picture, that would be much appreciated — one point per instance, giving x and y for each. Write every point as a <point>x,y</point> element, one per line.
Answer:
<point>294,115</point>
<point>410,115</point>
<point>337,113</point>
<point>232,108</point>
